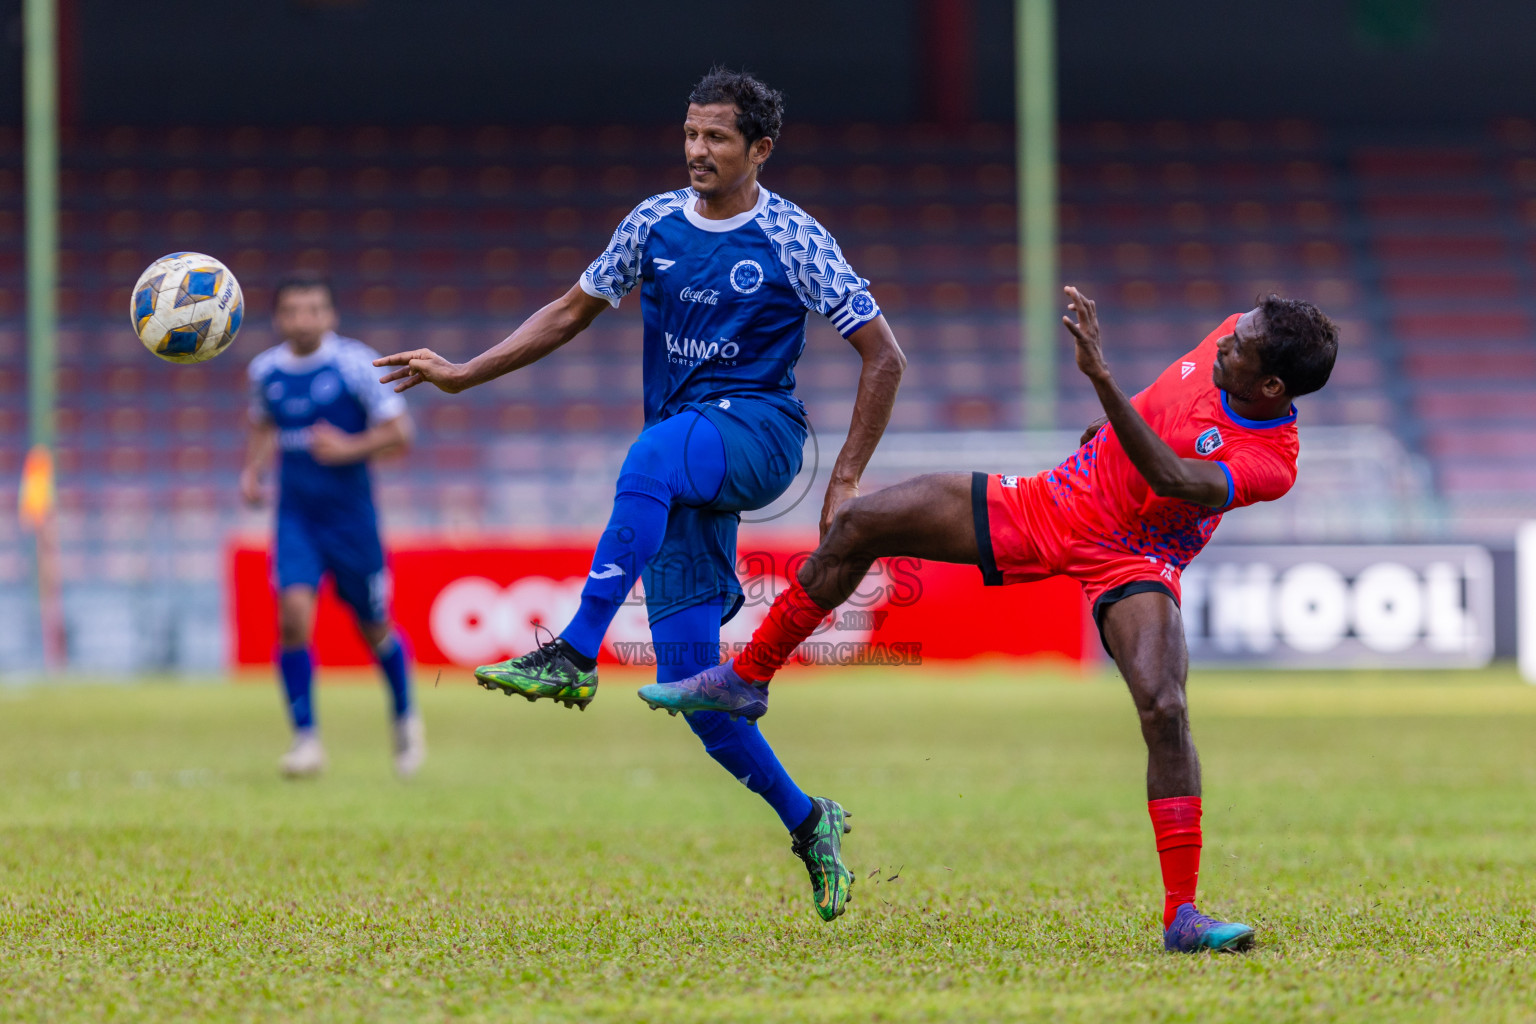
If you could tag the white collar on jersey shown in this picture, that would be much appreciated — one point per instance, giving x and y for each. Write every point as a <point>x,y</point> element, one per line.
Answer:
<point>704,223</point>
<point>290,362</point>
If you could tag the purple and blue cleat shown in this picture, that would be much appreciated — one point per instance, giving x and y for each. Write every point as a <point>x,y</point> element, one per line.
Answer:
<point>1192,931</point>
<point>714,689</point>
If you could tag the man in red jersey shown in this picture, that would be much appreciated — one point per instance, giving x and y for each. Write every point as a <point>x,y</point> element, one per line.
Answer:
<point>1123,516</point>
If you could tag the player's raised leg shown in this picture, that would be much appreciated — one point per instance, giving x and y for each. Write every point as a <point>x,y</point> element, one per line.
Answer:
<point>688,640</point>
<point>682,460</point>
<point>925,517</point>
<point>296,669</point>
<point>1145,634</point>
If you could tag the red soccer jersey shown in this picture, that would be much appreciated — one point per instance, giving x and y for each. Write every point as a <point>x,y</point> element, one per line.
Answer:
<point>1103,497</point>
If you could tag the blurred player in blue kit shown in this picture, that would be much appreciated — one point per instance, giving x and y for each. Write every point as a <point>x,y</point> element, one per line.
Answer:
<point>727,272</point>
<point>317,405</point>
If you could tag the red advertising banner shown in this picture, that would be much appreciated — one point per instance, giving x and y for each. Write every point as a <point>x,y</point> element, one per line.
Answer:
<point>477,602</point>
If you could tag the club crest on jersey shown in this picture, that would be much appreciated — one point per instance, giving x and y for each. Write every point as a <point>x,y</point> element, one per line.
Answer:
<point>1009,481</point>
<point>747,276</point>
<point>862,305</point>
<point>1208,441</point>
<point>325,387</point>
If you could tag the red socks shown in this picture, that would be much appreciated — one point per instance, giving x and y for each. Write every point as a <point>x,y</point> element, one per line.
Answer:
<point>1176,821</point>
<point>793,618</point>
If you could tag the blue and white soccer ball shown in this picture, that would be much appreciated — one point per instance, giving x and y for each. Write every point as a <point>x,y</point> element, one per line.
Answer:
<point>187,307</point>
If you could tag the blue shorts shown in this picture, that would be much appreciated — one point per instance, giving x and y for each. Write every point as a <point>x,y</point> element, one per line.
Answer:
<point>764,446</point>
<point>308,547</point>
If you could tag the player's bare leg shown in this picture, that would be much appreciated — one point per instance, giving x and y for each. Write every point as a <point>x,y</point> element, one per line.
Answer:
<point>1145,634</point>
<point>926,517</point>
<point>295,627</point>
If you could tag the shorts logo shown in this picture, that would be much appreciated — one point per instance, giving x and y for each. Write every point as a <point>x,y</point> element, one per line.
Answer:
<point>862,305</point>
<point>1208,441</point>
<point>724,403</point>
<point>1009,481</point>
<point>747,276</point>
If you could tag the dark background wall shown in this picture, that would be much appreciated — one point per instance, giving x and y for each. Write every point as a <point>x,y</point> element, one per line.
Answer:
<point>395,61</point>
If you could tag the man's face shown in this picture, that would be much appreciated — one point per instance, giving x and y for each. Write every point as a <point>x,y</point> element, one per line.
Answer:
<point>1239,368</point>
<point>719,159</point>
<point>303,317</point>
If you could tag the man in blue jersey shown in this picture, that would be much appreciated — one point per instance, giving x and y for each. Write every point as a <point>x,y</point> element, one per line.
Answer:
<point>316,404</point>
<point>727,273</point>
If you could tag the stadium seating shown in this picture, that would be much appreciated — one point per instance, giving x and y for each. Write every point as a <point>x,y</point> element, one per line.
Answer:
<point>447,236</point>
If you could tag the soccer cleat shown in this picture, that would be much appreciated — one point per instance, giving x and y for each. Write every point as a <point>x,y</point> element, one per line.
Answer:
<point>822,852</point>
<point>410,745</point>
<point>547,672</point>
<point>715,689</point>
<point>305,759</point>
<point>1192,931</point>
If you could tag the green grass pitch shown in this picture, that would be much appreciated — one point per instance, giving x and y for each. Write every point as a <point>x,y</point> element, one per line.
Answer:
<point>1378,830</point>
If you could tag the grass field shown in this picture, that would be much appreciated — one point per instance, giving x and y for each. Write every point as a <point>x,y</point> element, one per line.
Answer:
<point>1379,830</point>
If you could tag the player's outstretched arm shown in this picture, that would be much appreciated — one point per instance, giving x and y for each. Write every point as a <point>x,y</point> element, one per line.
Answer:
<point>260,448</point>
<point>879,380</point>
<point>1168,475</point>
<point>542,333</point>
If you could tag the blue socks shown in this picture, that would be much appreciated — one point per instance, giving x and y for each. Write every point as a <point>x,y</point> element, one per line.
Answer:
<point>682,460</point>
<point>393,661</point>
<point>297,668</point>
<point>737,745</point>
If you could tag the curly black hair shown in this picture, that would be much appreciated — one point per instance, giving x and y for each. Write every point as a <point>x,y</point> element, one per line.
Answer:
<point>1300,344</point>
<point>759,109</point>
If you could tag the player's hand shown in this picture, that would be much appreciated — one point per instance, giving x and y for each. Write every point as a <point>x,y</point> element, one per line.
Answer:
<point>1093,428</point>
<point>1090,354</point>
<point>839,492</point>
<point>331,446</point>
<point>422,365</point>
<point>251,490</point>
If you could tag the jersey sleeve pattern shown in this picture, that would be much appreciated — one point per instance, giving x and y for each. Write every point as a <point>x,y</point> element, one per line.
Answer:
<point>817,270</point>
<point>256,375</point>
<point>616,272</point>
<point>1257,473</point>
<point>354,361</point>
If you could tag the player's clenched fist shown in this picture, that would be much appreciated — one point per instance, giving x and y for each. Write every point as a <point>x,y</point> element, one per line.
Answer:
<point>1090,355</point>
<point>422,365</point>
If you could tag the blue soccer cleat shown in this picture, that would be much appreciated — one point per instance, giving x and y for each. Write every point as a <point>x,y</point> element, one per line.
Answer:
<point>1192,931</point>
<point>715,689</point>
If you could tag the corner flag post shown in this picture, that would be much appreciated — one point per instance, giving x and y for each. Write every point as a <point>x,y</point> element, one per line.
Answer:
<point>1039,302</point>
<point>41,113</point>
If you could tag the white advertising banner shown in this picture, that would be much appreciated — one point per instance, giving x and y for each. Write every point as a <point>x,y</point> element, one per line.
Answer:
<point>1341,606</point>
<point>1525,599</point>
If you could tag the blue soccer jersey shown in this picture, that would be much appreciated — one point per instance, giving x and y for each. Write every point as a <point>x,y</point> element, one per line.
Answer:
<point>336,383</point>
<point>725,301</point>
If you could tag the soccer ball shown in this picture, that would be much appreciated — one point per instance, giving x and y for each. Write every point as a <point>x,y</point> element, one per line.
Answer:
<point>187,307</point>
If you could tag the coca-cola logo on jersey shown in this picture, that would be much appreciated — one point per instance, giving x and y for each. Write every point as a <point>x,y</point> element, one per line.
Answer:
<point>708,296</point>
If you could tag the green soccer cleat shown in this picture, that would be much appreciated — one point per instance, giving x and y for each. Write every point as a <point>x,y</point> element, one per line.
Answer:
<point>548,672</point>
<point>822,851</point>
